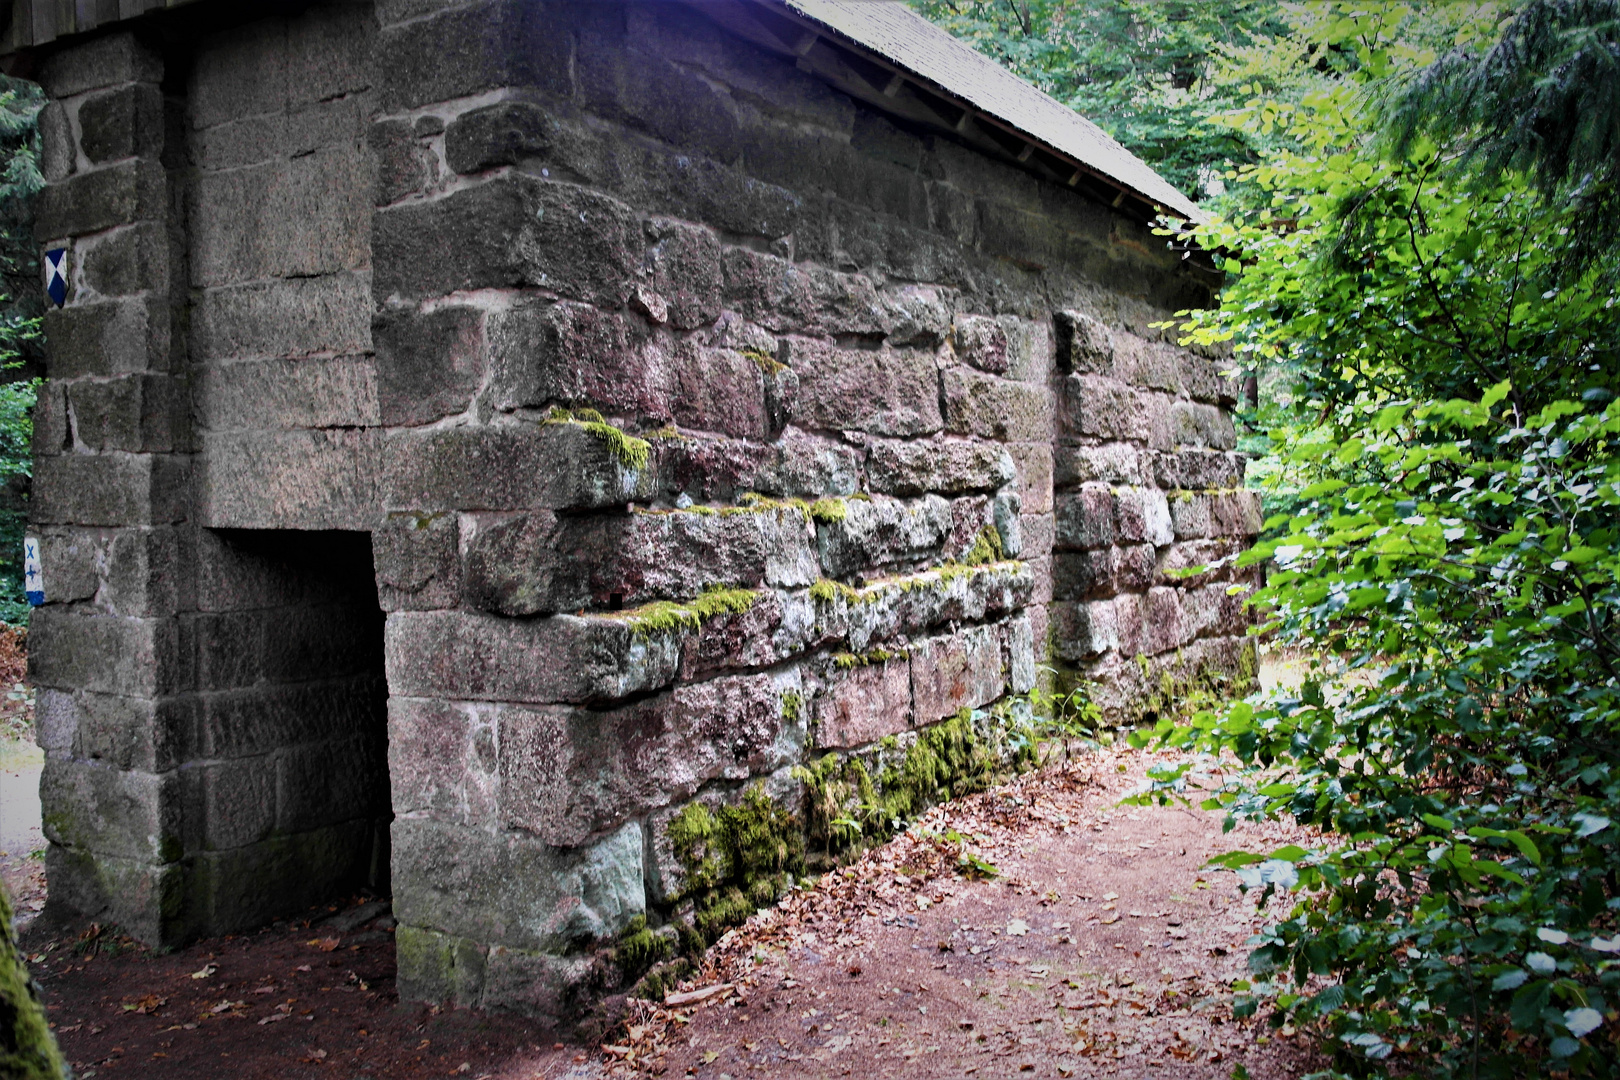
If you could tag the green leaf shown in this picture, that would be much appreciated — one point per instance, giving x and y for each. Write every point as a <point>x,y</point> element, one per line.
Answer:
<point>1590,824</point>
<point>1496,393</point>
<point>1526,846</point>
<point>1528,1001</point>
<point>1582,1021</point>
<point>1509,980</point>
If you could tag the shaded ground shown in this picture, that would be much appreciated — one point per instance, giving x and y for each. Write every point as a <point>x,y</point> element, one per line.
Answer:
<point>1100,949</point>
<point>302,999</point>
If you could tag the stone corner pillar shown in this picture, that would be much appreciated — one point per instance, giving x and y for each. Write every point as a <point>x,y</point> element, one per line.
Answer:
<point>109,648</point>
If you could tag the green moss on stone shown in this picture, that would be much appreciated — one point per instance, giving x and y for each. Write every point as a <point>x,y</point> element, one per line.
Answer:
<point>27,1050</point>
<point>848,809</point>
<point>752,502</point>
<point>829,510</point>
<point>630,451</point>
<point>663,979</point>
<point>662,616</point>
<point>639,948</point>
<point>768,365</point>
<point>986,548</point>
<point>947,760</point>
<point>826,591</point>
<point>846,660</point>
<point>737,859</point>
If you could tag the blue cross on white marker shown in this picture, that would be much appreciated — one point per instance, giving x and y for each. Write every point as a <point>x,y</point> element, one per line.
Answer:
<point>33,579</point>
<point>56,283</point>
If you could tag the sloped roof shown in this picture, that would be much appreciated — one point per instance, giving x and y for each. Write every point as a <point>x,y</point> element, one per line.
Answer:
<point>912,43</point>
<point>877,50</point>
<point>39,22</point>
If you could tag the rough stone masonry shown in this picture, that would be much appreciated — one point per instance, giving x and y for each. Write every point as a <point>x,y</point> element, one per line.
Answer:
<point>477,429</point>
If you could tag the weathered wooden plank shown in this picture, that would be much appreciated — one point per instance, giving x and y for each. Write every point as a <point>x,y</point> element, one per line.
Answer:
<point>18,26</point>
<point>43,21</point>
<point>39,22</point>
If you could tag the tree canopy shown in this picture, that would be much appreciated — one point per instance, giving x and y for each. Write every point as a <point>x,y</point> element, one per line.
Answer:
<point>1541,99</point>
<point>1148,71</point>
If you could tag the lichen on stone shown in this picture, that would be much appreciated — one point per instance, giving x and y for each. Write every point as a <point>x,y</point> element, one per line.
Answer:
<point>630,452</point>
<point>662,616</point>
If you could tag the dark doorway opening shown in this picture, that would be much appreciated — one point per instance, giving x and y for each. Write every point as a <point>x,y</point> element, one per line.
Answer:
<point>287,796</point>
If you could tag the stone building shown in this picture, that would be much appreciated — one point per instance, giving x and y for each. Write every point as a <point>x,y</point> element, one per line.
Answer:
<point>478,431</point>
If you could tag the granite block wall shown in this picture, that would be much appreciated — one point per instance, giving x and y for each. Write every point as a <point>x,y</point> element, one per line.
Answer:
<point>212,696</point>
<point>113,653</point>
<point>696,419</point>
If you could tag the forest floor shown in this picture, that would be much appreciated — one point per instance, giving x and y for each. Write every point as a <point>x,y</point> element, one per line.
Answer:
<point>1100,947</point>
<point>1037,929</point>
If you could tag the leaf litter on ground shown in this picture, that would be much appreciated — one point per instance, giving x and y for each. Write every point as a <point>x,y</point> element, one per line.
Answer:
<point>908,963</point>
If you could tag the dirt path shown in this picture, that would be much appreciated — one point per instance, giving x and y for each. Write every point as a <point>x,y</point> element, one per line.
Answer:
<point>307,999</point>
<point>22,872</point>
<point>1100,949</point>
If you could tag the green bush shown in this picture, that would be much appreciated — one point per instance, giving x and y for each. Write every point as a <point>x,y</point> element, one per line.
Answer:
<point>20,340</point>
<point>1463,905</point>
<point>1448,472</point>
<point>16,433</point>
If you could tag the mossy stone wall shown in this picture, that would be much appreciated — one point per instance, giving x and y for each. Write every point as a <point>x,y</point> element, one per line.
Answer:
<point>730,449</point>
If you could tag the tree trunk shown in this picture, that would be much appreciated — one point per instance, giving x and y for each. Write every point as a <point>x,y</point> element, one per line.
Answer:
<point>27,1050</point>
